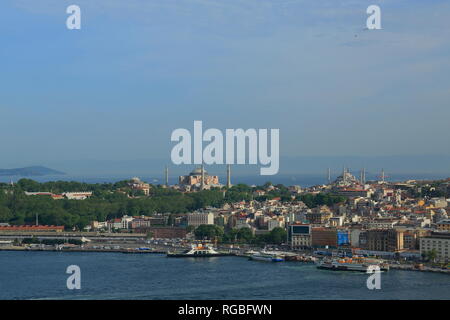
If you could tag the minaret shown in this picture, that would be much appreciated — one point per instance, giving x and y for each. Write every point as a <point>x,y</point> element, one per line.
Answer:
<point>382,175</point>
<point>329,176</point>
<point>228,176</point>
<point>344,179</point>
<point>364,176</point>
<point>202,184</point>
<point>167,176</point>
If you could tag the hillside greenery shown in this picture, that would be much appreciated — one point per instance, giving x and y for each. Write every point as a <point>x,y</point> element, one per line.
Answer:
<point>114,200</point>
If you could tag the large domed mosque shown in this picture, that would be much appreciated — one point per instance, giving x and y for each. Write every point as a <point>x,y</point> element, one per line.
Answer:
<point>194,178</point>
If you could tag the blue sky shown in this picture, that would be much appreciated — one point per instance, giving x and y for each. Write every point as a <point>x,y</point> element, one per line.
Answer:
<point>139,69</point>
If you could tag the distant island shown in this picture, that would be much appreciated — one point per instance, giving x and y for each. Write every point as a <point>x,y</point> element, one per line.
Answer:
<point>30,171</point>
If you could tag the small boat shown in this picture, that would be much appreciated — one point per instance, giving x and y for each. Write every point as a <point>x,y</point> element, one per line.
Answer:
<point>264,256</point>
<point>351,264</point>
<point>197,251</point>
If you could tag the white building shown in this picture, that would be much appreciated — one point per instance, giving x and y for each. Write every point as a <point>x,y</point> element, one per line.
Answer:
<point>438,242</point>
<point>119,223</point>
<point>438,202</point>
<point>198,218</point>
<point>243,223</point>
<point>77,195</point>
<point>125,222</point>
<point>274,223</point>
<point>337,221</point>
<point>380,224</point>
<point>354,237</point>
<point>301,241</point>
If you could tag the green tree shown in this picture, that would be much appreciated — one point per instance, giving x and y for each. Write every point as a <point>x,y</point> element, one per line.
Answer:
<point>208,231</point>
<point>277,236</point>
<point>432,255</point>
<point>245,235</point>
<point>5,214</point>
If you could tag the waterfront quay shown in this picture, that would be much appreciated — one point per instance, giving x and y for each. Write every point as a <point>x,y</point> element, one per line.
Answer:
<point>107,236</point>
<point>138,244</point>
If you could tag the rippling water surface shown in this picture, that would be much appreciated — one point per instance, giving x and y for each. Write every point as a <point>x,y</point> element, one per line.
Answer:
<point>41,275</point>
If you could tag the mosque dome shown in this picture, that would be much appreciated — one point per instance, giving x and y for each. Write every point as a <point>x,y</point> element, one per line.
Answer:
<point>197,172</point>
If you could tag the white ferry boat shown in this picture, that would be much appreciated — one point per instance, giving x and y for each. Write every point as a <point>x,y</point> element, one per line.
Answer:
<point>200,250</point>
<point>263,256</point>
<point>351,264</point>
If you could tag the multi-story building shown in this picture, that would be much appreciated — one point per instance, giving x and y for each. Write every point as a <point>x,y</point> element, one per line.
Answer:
<point>352,193</point>
<point>318,217</point>
<point>299,236</point>
<point>324,237</point>
<point>125,222</point>
<point>380,224</point>
<point>384,240</point>
<point>439,242</point>
<point>167,232</point>
<point>274,223</point>
<point>297,217</point>
<point>198,218</point>
<point>336,221</point>
<point>354,237</point>
<point>140,223</point>
<point>119,223</point>
<point>411,238</point>
<point>443,225</point>
<point>438,202</point>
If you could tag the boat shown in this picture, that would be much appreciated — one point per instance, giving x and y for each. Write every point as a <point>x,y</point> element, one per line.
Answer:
<point>360,264</point>
<point>264,256</point>
<point>197,251</point>
<point>300,258</point>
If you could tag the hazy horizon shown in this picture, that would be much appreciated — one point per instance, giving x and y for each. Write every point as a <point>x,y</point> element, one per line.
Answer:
<point>422,165</point>
<point>107,97</point>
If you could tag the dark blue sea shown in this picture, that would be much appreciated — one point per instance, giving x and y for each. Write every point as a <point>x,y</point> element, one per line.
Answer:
<point>42,275</point>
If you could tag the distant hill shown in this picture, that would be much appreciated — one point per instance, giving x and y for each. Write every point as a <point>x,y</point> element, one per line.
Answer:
<point>30,171</point>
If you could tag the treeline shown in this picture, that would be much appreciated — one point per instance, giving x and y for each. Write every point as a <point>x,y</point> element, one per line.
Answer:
<point>107,202</point>
<point>280,191</point>
<point>16,208</point>
<point>241,235</point>
<point>311,200</point>
<point>67,186</point>
<point>320,199</point>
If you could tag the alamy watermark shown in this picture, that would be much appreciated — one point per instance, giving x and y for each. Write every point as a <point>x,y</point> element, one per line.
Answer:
<point>241,146</point>
<point>374,280</point>
<point>74,280</point>
<point>74,20</point>
<point>373,22</point>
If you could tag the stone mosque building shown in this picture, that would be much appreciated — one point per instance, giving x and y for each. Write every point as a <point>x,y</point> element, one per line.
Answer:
<point>194,179</point>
